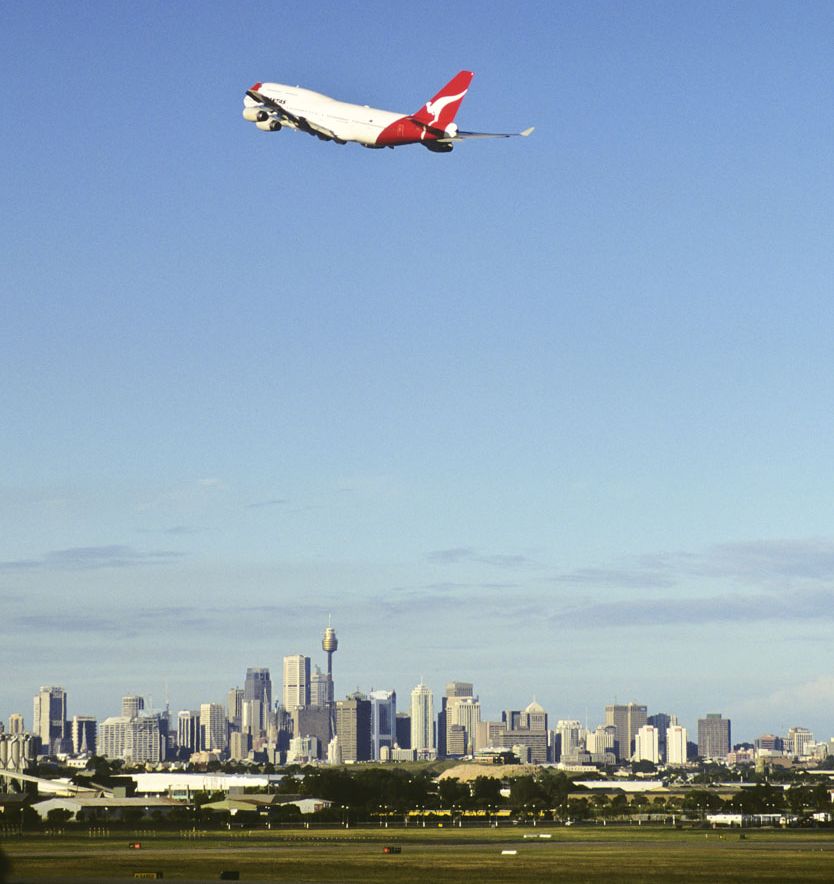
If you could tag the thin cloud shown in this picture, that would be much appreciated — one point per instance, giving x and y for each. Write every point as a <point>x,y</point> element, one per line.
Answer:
<point>88,558</point>
<point>614,577</point>
<point>750,608</point>
<point>451,556</point>
<point>769,564</point>
<point>458,554</point>
<point>60,623</point>
<point>261,504</point>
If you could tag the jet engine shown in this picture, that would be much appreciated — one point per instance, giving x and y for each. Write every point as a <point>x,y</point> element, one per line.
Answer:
<point>438,146</point>
<point>255,114</point>
<point>268,125</point>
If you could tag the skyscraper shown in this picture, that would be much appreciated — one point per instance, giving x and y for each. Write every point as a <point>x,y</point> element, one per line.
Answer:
<point>234,707</point>
<point>296,681</point>
<point>16,723</point>
<point>453,689</point>
<point>353,727</point>
<point>713,736</point>
<point>257,688</point>
<point>466,713</point>
<point>132,705</point>
<point>422,719</point>
<point>188,731</point>
<point>383,721</point>
<point>628,720</point>
<point>50,719</point>
<point>675,744</point>
<point>568,736</point>
<point>213,731</point>
<point>84,728</point>
<point>646,746</point>
<point>321,688</point>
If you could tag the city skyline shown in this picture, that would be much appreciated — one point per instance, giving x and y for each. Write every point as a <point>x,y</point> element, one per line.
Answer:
<point>622,716</point>
<point>551,415</point>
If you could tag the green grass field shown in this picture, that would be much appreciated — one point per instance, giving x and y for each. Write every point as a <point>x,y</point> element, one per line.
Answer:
<point>447,855</point>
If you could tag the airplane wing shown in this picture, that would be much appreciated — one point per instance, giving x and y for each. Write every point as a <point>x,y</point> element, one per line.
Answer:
<point>445,137</point>
<point>461,135</point>
<point>301,123</point>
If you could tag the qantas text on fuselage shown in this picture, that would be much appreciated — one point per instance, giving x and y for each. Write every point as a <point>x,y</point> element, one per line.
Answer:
<point>272,106</point>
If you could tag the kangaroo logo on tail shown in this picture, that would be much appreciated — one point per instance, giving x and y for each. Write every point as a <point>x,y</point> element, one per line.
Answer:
<point>440,111</point>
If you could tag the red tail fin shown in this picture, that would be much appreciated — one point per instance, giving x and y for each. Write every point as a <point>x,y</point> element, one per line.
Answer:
<point>441,110</point>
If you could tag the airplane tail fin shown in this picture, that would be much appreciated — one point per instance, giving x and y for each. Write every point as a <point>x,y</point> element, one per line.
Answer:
<point>440,111</point>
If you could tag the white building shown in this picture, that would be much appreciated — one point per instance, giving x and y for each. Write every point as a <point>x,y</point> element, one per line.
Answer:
<point>646,744</point>
<point>135,740</point>
<point>132,705</point>
<point>601,740</point>
<point>296,682</point>
<point>570,734</point>
<point>112,736</point>
<point>676,745</point>
<point>50,719</point>
<point>143,740</point>
<point>422,718</point>
<point>303,750</point>
<point>799,742</point>
<point>213,728</point>
<point>465,712</point>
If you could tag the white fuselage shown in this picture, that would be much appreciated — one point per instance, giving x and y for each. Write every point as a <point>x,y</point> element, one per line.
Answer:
<point>349,122</point>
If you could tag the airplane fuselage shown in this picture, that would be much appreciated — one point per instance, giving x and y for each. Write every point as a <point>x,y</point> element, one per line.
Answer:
<point>370,126</point>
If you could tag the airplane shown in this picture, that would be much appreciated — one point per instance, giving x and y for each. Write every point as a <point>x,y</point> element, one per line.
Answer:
<point>273,106</point>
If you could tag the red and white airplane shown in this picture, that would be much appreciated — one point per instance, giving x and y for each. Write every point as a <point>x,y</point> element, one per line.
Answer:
<point>271,106</point>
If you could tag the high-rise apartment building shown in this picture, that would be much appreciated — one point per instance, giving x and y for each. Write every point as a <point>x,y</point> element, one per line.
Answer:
<point>628,719</point>
<point>112,736</point>
<point>676,745</point>
<point>136,739</point>
<point>144,742</point>
<point>647,744</point>
<point>84,728</point>
<point>422,718</point>
<point>50,719</point>
<point>213,728</point>
<point>296,681</point>
<point>713,736</point>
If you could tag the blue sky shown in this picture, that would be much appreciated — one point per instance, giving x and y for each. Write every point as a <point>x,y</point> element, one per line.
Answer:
<point>552,414</point>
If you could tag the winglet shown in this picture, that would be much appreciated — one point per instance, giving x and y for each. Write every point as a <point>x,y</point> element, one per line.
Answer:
<point>527,132</point>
